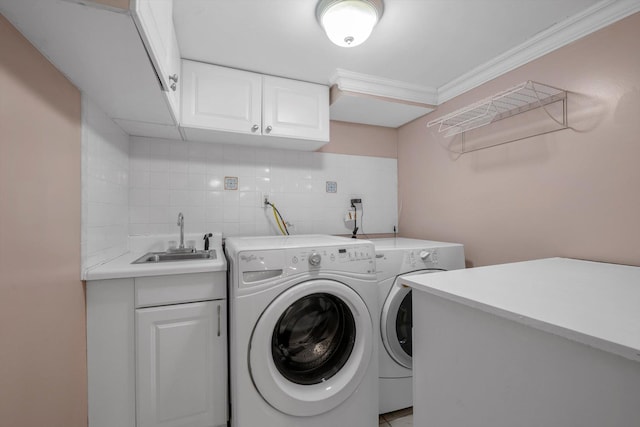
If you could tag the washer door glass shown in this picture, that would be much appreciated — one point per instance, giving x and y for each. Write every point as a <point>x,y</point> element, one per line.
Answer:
<point>404,323</point>
<point>311,347</point>
<point>396,322</point>
<point>313,339</point>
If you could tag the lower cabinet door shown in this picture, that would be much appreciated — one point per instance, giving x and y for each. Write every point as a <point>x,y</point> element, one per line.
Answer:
<point>181,365</point>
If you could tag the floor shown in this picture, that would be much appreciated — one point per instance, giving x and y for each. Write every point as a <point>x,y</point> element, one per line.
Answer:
<point>401,418</point>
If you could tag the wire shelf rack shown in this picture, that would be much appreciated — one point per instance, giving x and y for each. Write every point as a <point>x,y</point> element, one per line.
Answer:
<point>516,100</point>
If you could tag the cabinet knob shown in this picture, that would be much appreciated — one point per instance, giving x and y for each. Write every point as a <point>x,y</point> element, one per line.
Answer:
<point>269,128</point>
<point>173,77</point>
<point>173,87</point>
<point>254,128</point>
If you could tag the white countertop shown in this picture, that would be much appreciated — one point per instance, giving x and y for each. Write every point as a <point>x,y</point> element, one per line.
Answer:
<point>597,304</point>
<point>122,267</point>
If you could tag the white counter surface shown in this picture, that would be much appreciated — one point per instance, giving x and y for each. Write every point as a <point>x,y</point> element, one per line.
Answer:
<point>121,267</point>
<point>596,304</point>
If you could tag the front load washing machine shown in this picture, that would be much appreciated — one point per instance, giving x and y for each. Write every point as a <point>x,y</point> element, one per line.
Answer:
<point>303,331</point>
<point>394,258</point>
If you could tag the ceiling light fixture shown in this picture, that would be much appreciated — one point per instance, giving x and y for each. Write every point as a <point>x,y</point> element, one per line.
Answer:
<point>348,23</point>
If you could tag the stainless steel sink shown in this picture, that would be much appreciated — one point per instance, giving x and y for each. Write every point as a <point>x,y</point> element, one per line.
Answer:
<point>155,257</point>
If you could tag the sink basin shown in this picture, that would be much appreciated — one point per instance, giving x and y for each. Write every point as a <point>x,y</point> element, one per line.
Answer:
<point>155,257</point>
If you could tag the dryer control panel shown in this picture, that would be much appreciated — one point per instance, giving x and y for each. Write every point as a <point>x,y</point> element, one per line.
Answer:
<point>447,258</point>
<point>420,258</point>
<point>393,262</point>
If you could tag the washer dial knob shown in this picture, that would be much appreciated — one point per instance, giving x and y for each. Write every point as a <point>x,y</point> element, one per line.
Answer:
<point>314,259</point>
<point>424,255</point>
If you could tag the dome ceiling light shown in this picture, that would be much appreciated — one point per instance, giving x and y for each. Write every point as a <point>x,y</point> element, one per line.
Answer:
<point>348,23</point>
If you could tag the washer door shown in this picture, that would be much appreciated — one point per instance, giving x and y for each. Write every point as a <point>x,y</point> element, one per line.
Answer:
<point>311,347</point>
<point>396,322</point>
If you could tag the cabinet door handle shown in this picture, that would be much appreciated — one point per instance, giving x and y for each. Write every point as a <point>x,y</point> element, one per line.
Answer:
<point>173,77</point>
<point>173,87</point>
<point>218,320</point>
<point>254,128</point>
<point>269,128</point>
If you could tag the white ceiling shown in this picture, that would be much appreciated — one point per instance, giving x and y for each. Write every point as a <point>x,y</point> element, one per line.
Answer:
<point>427,43</point>
<point>421,54</point>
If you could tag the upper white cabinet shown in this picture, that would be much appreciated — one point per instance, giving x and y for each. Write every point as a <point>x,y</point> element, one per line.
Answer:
<point>221,98</point>
<point>154,18</point>
<point>100,50</point>
<point>232,106</point>
<point>131,68</point>
<point>295,109</point>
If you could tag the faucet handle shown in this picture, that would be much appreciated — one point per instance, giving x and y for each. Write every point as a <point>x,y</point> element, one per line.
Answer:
<point>206,240</point>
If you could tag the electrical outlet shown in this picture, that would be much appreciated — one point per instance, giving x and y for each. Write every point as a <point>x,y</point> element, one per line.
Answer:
<point>265,200</point>
<point>354,201</point>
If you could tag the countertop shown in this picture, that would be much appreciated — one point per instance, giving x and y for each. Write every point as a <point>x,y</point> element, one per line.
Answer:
<point>121,266</point>
<point>593,303</point>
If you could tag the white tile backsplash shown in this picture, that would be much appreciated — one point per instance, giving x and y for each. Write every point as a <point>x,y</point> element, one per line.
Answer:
<point>105,187</point>
<point>133,186</point>
<point>168,177</point>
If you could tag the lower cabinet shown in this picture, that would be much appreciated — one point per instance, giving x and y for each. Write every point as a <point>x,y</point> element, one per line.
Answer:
<point>181,365</point>
<point>157,351</point>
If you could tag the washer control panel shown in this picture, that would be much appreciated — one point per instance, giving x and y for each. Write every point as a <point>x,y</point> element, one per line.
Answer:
<point>262,265</point>
<point>336,258</point>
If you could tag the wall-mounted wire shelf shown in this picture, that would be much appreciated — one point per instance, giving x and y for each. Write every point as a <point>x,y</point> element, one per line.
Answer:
<point>519,99</point>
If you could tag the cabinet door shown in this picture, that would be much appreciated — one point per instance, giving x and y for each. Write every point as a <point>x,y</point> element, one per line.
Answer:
<point>181,365</point>
<point>220,98</point>
<point>295,109</point>
<point>154,19</point>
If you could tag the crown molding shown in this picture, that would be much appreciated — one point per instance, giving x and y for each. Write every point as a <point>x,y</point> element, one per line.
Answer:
<point>350,81</point>
<point>590,20</point>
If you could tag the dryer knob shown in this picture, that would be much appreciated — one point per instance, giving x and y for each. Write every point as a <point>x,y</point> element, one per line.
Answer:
<point>314,259</point>
<point>424,255</point>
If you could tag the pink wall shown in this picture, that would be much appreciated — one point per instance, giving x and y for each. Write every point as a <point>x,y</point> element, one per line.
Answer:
<point>573,193</point>
<point>364,140</point>
<point>42,326</point>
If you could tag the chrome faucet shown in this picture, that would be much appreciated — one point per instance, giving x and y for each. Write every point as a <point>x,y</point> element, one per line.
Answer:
<point>181,224</point>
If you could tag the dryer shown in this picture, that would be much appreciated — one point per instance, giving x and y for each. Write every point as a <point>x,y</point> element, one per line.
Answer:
<point>396,257</point>
<point>303,331</point>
